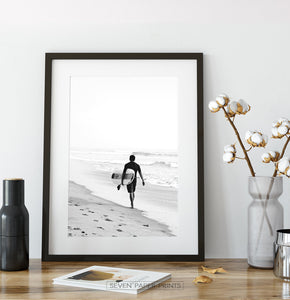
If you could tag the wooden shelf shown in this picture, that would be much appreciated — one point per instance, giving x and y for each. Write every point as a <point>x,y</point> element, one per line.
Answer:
<point>241,282</point>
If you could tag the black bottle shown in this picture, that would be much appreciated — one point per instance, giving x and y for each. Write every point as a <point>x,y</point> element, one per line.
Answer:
<point>14,227</point>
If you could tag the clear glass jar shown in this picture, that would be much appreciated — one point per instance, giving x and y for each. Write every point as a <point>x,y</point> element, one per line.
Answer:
<point>265,216</point>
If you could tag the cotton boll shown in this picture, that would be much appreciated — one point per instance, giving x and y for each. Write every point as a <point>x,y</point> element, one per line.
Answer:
<point>244,105</point>
<point>283,164</point>
<point>285,123</point>
<point>233,107</point>
<point>270,156</point>
<point>282,130</point>
<point>275,157</point>
<point>228,157</point>
<point>266,157</point>
<point>275,132</point>
<point>224,96</point>
<point>272,153</point>
<point>281,120</point>
<point>229,148</point>
<point>220,100</point>
<point>257,138</point>
<point>248,134</point>
<point>213,106</point>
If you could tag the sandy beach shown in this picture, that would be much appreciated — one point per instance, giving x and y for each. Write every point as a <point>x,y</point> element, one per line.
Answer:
<point>156,202</point>
<point>90,215</point>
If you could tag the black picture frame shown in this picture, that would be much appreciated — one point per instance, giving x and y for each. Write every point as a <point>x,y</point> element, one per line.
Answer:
<point>49,59</point>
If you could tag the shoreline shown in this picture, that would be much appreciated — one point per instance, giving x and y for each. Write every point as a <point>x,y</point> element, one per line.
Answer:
<point>158,203</point>
<point>91,215</point>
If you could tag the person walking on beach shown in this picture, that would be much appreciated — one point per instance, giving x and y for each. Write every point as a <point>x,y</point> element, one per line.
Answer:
<point>132,186</point>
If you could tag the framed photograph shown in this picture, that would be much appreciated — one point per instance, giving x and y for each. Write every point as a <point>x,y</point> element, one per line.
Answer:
<point>123,157</point>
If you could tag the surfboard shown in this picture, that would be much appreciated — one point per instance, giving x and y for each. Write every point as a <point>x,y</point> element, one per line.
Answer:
<point>128,178</point>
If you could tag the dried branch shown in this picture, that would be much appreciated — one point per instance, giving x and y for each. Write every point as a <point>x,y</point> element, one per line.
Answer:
<point>241,143</point>
<point>281,155</point>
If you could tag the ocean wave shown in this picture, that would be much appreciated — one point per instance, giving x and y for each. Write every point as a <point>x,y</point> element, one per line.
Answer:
<point>121,162</point>
<point>155,153</point>
<point>158,168</point>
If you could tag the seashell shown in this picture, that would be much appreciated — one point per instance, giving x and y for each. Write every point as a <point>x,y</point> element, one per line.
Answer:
<point>213,271</point>
<point>213,106</point>
<point>202,279</point>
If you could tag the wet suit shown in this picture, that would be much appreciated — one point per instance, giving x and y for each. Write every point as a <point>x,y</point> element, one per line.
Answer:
<point>132,186</point>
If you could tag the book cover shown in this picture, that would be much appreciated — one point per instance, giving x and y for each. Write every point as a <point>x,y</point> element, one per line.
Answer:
<point>113,279</point>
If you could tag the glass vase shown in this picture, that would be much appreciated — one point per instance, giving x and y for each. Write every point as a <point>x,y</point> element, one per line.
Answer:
<point>265,217</point>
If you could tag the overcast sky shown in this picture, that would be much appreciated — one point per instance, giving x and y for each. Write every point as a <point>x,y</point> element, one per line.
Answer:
<point>124,112</point>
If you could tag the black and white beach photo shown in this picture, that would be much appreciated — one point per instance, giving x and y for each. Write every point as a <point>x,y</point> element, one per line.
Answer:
<point>123,160</point>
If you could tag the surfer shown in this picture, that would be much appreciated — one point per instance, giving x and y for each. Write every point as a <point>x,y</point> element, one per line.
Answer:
<point>132,186</point>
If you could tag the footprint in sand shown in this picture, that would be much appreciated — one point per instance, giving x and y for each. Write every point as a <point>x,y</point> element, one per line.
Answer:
<point>99,204</point>
<point>145,225</point>
<point>84,214</point>
<point>119,230</point>
<point>77,205</point>
<point>100,227</point>
<point>111,210</point>
<point>81,209</point>
<point>114,235</point>
<point>108,220</point>
<point>96,220</point>
<point>92,212</point>
<point>105,215</point>
<point>76,228</point>
<point>134,235</point>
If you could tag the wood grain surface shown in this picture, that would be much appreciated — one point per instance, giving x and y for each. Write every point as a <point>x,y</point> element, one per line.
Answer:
<point>241,282</point>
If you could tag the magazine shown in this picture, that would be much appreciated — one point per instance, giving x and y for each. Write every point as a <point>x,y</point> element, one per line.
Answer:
<point>113,279</point>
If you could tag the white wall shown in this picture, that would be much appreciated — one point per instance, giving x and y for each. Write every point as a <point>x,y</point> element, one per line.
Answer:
<point>246,46</point>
